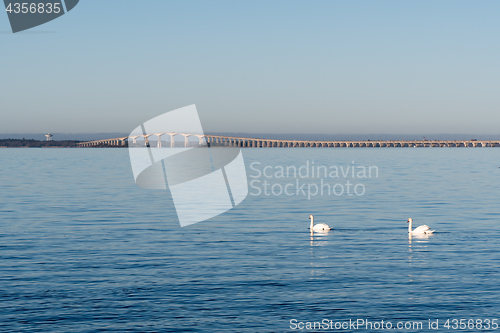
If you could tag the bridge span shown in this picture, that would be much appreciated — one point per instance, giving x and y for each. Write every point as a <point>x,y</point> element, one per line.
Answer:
<point>230,141</point>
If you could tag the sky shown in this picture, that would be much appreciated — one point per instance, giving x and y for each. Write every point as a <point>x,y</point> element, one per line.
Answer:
<point>260,66</point>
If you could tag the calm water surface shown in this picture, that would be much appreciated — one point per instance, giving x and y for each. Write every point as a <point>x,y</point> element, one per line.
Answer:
<point>83,249</point>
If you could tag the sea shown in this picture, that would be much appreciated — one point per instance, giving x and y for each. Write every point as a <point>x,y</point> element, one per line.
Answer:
<point>84,249</point>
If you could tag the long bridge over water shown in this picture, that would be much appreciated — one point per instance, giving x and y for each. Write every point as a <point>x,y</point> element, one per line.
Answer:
<point>231,141</point>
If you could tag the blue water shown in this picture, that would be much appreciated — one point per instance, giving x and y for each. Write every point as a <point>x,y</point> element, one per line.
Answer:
<point>83,249</point>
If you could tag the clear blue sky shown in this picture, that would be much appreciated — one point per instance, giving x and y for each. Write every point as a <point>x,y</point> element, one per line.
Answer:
<point>279,66</point>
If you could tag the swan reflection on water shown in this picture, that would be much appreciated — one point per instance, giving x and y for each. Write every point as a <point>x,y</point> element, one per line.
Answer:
<point>417,258</point>
<point>320,263</point>
<point>318,238</point>
<point>419,240</point>
<point>418,243</point>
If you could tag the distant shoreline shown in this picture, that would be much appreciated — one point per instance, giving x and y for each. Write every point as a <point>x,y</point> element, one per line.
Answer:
<point>31,143</point>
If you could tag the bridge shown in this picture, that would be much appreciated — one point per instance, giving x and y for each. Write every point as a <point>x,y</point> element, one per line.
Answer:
<point>231,141</point>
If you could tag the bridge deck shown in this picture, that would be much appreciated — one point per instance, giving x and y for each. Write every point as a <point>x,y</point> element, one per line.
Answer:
<point>218,140</point>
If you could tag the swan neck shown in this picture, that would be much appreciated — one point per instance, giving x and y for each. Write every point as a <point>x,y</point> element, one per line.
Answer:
<point>409,226</point>
<point>312,222</point>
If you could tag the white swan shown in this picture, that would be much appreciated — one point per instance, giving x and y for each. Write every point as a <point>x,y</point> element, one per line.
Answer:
<point>320,227</point>
<point>422,230</point>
